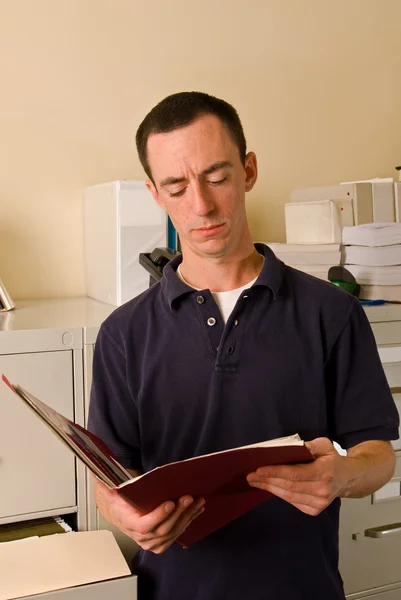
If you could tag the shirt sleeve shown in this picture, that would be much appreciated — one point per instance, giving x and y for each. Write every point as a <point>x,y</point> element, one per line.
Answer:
<point>113,414</point>
<point>360,404</point>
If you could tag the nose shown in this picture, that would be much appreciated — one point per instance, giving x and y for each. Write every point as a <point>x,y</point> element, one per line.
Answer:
<point>202,200</point>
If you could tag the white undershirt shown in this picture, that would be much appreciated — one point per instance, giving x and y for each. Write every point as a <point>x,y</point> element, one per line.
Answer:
<point>224,300</point>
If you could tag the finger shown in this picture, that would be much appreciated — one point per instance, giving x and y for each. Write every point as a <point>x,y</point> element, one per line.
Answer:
<point>313,488</point>
<point>308,510</point>
<point>314,502</point>
<point>302,472</point>
<point>159,544</point>
<point>151,527</point>
<point>181,520</point>
<point>149,521</point>
<point>184,506</point>
<point>198,513</point>
<point>187,518</point>
<point>295,497</point>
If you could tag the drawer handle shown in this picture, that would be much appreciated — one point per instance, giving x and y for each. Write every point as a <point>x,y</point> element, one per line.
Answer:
<point>395,390</point>
<point>383,531</point>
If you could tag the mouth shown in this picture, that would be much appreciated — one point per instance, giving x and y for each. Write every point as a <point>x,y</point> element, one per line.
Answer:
<point>209,231</point>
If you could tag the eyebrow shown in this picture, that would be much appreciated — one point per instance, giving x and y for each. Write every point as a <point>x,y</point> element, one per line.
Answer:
<point>217,166</point>
<point>214,167</point>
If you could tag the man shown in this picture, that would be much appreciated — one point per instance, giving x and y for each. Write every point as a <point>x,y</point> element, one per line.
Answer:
<point>230,348</point>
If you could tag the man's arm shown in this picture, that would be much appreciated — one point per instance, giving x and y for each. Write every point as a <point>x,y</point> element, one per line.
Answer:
<point>312,487</point>
<point>155,531</point>
<point>370,465</point>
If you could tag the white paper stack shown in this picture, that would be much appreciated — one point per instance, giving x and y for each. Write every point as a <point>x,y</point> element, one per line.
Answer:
<point>372,253</point>
<point>372,234</point>
<point>315,259</point>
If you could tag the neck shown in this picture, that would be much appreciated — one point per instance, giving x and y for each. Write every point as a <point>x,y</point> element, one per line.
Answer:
<point>223,273</point>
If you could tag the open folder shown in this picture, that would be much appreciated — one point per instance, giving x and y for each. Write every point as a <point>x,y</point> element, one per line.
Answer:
<point>219,477</point>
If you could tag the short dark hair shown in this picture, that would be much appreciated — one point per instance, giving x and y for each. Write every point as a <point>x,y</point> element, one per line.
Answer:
<point>182,109</point>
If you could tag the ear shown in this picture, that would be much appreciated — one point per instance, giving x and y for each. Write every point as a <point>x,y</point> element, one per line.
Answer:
<point>153,190</point>
<point>251,171</point>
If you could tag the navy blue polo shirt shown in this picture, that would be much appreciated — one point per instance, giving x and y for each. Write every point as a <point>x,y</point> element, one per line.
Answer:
<point>171,381</point>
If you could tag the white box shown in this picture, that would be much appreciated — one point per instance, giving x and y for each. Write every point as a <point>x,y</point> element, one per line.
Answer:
<point>121,220</point>
<point>317,222</point>
<point>359,192</point>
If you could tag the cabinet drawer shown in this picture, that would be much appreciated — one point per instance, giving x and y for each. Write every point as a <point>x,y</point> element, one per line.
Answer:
<point>368,562</point>
<point>37,472</point>
<point>388,332</point>
<point>393,374</point>
<point>394,594</point>
<point>123,588</point>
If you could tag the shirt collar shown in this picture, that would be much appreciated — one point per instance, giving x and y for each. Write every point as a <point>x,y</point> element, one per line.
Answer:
<point>271,276</point>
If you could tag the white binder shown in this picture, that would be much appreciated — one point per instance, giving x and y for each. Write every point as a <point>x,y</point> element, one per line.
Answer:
<point>383,202</point>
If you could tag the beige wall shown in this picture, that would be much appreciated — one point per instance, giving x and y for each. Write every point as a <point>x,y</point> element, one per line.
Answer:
<point>316,82</point>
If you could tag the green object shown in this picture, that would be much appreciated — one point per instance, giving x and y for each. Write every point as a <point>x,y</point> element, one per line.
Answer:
<point>342,278</point>
<point>348,286</point>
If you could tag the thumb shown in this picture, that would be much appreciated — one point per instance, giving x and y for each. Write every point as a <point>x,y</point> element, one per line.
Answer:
<point>320,447</point>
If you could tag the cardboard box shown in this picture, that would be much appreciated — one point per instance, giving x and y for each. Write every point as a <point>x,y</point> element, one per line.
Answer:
<point>54,562</point>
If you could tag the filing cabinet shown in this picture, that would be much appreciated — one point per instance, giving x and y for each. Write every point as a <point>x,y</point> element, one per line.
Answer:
<point>370,528</point>
<point>370,539</point>
<point>42,349</point>
<point>29,451</point>
<point>39,476</point>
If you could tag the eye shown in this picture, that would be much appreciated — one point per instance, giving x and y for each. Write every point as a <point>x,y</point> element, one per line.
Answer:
<point>219,181</point>
<point>177,194</point>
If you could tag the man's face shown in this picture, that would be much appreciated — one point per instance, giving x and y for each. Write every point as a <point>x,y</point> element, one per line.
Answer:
<point>201,182</point>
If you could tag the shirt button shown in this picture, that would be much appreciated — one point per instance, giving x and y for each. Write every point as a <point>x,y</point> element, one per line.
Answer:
<point>211,321</point>
<point>200,299</point>
<point>236,322</point>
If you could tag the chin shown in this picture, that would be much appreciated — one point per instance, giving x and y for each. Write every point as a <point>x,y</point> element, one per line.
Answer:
<point>214,248</point>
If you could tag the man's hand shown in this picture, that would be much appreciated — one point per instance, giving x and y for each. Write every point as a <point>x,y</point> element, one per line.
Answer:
<point>313,486</point>
<point>155,531</point>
